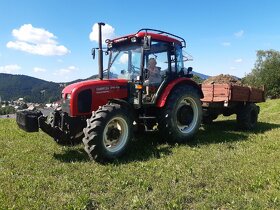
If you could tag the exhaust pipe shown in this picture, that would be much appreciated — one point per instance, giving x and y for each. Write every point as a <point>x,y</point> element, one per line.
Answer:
<point>100,51</point>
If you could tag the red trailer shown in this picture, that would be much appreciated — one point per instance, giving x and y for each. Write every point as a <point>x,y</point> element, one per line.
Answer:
<point>228,99</point>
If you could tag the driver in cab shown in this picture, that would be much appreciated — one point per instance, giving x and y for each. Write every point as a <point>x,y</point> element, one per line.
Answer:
<point>153,76</point>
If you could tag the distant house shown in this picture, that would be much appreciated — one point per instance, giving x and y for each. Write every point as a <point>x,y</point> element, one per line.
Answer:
<point>20,99</point>
<point>31,107</point>
<point>56,103</point>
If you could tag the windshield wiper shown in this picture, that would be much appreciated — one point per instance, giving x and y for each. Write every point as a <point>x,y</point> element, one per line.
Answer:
<point>113,60</point>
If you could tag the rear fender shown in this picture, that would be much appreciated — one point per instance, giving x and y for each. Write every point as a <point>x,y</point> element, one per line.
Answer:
<point>180,81</point>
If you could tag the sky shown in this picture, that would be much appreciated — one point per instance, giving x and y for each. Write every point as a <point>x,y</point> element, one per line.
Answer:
<point>52,39</point>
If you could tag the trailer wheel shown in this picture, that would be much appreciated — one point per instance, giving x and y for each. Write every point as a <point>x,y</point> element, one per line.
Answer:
<point>247,117</point>
<point>108,133</point>
<point>181,116</point>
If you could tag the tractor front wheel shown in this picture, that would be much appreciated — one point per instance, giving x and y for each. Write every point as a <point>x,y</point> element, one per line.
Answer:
<point>181,116</point>
<point>108,133</point>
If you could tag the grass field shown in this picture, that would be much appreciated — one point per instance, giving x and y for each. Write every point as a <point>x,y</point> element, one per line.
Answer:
<point>223,169</point>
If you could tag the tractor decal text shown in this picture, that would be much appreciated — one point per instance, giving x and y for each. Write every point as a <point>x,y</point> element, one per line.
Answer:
<point>106,89</point>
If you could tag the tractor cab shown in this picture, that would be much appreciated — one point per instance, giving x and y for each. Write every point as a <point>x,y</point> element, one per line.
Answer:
<point>149,60</point>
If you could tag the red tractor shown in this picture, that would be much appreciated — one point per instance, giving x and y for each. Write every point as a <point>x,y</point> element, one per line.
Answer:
<point>104,113</point>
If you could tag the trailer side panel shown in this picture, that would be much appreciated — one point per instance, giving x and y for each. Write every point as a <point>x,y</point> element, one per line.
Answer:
<point>228,92</point>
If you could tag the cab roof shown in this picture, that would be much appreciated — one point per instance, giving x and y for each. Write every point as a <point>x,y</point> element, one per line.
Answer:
<point>155,34</point>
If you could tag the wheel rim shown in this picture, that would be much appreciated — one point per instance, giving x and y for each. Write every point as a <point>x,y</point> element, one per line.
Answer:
<point>115,134</point>
<point>187,115</point>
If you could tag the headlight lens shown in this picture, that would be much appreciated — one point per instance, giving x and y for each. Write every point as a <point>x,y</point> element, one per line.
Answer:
<point>68,96</point>
<point>133,39</point>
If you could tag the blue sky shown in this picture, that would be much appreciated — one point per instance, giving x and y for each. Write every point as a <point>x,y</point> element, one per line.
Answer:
<point>51,39</point>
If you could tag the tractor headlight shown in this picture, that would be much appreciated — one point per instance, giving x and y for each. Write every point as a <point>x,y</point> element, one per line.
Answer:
<point>68,96</point>
<point>133,39</point>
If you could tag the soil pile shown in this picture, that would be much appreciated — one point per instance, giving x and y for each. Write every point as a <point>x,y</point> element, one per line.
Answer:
<point>223,79</point>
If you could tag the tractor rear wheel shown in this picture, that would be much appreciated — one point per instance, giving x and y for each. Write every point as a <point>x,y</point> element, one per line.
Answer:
<point>247,117</point>
<point>108,132</point>
<point>181,116</point>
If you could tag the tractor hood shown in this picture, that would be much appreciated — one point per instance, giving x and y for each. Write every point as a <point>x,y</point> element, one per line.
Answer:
<point>82,98</point>
<point>94,85</point>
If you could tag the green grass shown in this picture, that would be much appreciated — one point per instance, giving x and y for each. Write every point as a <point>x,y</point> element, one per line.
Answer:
<point>223,169</point>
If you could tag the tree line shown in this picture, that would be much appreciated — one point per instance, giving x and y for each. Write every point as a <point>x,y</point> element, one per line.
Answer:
<point>266,72</point>
<point>31,89</point>
<point>7,110</point>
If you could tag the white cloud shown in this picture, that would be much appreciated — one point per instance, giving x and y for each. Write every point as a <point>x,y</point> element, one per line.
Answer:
<point>226,44</point>
<point>124,59</point>
<point>72,68</point>
<point>66,71</point>
<point>13,68</point>
<point>232,68</point>
<point>239,34</point>
<point>239,60</point>
<point>108,32</point>
<point>39,70</point>
<point>36,41</point>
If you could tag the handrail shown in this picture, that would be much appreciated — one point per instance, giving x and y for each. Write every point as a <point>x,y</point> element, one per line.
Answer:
<point>182,40</point>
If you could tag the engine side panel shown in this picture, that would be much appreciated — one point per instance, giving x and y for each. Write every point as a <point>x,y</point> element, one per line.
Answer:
<point>88,96</point>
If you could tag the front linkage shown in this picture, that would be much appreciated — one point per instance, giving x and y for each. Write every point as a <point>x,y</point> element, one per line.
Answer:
<point>62,128</point>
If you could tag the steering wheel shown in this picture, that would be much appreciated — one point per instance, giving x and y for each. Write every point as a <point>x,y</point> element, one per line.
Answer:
<point>135,70</point>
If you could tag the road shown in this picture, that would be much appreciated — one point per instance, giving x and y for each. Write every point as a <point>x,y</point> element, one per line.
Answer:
<point>13,116</point>
<point>8,116</point>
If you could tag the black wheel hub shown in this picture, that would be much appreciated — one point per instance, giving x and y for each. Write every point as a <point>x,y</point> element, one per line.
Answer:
<point>113,133</point>
<point>185,115</point>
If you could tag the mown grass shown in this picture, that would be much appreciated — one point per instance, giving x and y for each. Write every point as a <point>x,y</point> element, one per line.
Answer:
<point>223,168</point>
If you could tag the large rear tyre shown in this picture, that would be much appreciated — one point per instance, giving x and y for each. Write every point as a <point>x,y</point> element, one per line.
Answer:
<point>181,116</point>
<point>247,117</point>
<point>108,133</point>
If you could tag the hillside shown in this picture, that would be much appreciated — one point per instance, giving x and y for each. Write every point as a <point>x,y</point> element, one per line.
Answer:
<point>31,89</point>
<point>202,76</point>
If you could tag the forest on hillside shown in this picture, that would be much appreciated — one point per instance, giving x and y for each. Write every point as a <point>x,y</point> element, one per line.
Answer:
<point>31,89</point>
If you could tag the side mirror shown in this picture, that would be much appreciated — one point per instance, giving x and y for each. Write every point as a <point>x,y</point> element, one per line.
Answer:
<point>93,53</point>
<point>189,69</point>
<point>147,42</point>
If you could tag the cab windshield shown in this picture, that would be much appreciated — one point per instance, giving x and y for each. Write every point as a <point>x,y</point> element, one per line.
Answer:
<point>124,62</point>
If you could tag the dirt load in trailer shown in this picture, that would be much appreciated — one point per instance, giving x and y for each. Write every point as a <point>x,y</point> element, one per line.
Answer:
<point>224,94</point>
